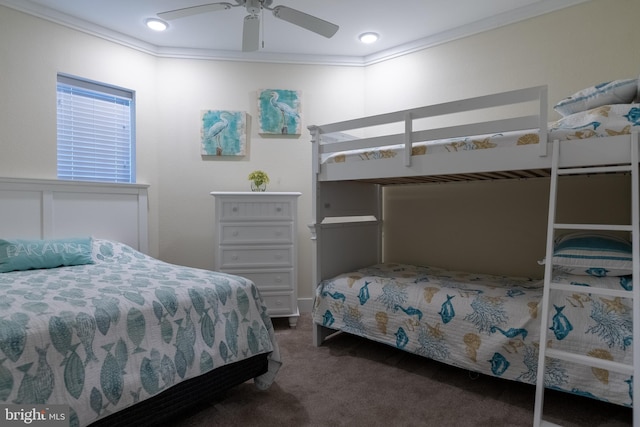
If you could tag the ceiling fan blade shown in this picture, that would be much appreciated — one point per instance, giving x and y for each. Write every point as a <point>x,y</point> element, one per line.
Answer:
<point>309,22</point>
<point>193,10</point>
<point>251,33</point>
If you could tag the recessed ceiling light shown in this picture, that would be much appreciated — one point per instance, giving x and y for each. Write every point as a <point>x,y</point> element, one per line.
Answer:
<point>368,38</point>
<point>156,24</point>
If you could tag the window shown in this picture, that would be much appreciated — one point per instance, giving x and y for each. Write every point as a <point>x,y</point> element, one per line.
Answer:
<point>95,131</point>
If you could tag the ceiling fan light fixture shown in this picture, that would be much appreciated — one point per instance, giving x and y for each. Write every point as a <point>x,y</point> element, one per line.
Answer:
<point>368,38</point>
<point>156,24</point>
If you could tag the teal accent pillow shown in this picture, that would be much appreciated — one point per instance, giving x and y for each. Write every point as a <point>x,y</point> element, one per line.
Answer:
<point>593,255</point>
<point>19,254</point>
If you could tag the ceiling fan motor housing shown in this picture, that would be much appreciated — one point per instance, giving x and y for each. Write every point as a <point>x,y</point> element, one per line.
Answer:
<point>254,6</point>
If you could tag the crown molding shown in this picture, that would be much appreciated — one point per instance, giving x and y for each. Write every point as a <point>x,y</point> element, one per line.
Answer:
<point>488,24</point>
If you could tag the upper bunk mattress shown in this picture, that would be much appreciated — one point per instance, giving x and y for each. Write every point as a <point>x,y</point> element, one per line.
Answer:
<point>604,121</point>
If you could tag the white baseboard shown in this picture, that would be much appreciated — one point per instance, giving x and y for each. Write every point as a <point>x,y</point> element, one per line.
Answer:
<point>305,305</point>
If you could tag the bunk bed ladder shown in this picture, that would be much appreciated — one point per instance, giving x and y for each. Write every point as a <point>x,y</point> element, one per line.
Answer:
<point>546,352</point>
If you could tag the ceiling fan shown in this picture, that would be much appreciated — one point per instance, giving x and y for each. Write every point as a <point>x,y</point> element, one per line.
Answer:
<point>251,28</point>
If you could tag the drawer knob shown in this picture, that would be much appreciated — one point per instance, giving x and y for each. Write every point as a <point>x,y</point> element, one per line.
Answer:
<point>278,233</point>
<point>234,257</point>
<point>279,302</point>
<point>235,232</point>
<point>278,209</point>
<point>278,256</point>
<point>234,209</point>
<point>278,279</point>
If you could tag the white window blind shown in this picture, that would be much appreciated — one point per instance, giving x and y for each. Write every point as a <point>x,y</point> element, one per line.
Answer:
<point>95,131</point>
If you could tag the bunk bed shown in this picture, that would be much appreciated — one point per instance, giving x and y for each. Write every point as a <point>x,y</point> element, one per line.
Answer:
<point>485,323</point>
<point>90,322</point>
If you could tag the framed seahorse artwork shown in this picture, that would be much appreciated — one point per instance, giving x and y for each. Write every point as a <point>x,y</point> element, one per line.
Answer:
<point>223,133</point>
<point>279,112</point>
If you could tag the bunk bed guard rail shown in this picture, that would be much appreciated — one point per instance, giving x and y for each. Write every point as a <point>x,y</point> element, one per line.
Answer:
<point>537,95</point>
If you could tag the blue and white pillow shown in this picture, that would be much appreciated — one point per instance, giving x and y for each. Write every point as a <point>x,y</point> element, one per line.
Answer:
<point>20,254</point>
<point>615,92</point>
<point>593,255</point>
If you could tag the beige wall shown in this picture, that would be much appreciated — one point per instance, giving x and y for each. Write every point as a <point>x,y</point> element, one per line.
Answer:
<point>170,93</point>
<point>32,52</point>
<point>500,227</point>
<point>567,50</point>
<point>496,227</point>
<point>188,86</point>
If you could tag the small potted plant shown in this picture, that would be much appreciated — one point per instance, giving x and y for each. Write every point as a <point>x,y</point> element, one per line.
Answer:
<point>259,180</point>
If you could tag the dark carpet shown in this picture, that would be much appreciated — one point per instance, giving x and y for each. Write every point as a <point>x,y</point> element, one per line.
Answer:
<point>351,381</point>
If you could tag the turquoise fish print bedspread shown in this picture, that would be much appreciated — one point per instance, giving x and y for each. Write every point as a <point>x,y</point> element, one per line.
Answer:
<point>487,324</point>
<point>104,336</point>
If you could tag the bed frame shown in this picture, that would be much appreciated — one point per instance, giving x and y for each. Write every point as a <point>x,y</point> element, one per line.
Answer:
<point>346,227</point>
<point>40,209</point>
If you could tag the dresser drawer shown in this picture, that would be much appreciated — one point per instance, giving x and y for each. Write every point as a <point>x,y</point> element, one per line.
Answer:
<point>247,256</point>
<point>234,233</point>
<point>279,303</point>
<point>240,210</point>
<point>268,280</point>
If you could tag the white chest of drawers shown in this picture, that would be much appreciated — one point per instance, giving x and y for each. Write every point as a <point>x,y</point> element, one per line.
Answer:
<point>256,237</point>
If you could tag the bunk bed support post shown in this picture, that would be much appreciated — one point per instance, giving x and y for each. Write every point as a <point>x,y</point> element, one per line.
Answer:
<point>543,126</point>
<point>313,227</point>
<point>635,242</point>
<point>408,140</point>
<point>346,230</point>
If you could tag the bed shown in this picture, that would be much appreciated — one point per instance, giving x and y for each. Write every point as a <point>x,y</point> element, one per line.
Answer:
<point>485,323</point>
<point>114,336</point>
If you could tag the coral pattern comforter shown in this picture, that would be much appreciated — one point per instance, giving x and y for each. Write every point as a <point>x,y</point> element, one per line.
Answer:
<point>103,336</point>
<point>487,324</point>
<point>608,120</point>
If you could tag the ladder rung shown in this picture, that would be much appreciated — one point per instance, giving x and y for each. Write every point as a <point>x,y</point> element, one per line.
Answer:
<point>591,290</point>
<point>585,171</point>
<point>603,227</point>
<point>582,359</point>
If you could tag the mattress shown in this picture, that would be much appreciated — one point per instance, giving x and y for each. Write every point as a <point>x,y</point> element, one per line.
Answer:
<point>484,323</point>
<point>604,121</point>
<point>101,337</point>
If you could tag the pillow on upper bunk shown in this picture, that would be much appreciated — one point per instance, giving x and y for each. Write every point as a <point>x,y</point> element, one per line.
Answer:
<point>19,254</point>
<point>592,254</point>
<point>615,92</point>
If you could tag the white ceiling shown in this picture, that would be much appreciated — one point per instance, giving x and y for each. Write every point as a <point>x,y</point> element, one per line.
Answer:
<point>404,26</point>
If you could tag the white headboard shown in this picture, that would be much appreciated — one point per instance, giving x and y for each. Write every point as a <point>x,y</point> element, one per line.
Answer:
<point>41,209</point>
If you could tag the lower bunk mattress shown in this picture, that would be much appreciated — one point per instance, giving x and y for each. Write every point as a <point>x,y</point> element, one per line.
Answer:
<point>487,324</point>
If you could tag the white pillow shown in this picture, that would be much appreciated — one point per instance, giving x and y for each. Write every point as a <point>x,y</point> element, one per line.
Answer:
<point>615,92</point>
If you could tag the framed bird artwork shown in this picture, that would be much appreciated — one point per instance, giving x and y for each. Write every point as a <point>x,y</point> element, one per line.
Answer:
<point>223,133</point>
<point>279,112</point>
